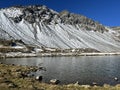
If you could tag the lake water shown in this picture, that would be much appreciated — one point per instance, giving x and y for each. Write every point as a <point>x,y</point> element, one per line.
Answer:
<point>84,69</point>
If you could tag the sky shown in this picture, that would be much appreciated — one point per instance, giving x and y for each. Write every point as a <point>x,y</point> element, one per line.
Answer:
<point>107,12</point>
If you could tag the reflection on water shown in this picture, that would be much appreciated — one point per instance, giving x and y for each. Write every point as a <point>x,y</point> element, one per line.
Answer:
<point>86,70</point>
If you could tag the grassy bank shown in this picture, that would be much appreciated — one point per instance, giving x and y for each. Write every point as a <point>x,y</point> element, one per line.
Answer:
<point>16,77</point>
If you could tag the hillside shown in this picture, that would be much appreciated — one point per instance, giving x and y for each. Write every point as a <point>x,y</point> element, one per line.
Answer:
<point>44,27</point>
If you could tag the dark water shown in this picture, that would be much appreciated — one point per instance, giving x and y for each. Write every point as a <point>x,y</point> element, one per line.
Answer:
<point>86,70</point>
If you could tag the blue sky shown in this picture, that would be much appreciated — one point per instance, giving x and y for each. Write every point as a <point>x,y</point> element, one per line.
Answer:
<point>106,12</point>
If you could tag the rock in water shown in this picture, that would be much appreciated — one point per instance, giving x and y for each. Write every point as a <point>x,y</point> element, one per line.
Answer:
<point>39,78</point>
<point>116,79</point>
<point>54,81</point>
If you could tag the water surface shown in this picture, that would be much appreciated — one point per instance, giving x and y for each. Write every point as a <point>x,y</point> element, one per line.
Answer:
<point>85,70</point>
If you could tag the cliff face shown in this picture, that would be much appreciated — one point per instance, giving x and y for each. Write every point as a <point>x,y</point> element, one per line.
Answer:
<point>41,26</point>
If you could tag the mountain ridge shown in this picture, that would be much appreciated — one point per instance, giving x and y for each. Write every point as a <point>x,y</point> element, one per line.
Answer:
<point>41,26</point>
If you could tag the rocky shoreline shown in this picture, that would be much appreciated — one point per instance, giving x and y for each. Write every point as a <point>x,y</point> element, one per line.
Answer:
<point>21,55</point>
<point>77,54</point>
<point>15,77</point>
<point>17,55</point>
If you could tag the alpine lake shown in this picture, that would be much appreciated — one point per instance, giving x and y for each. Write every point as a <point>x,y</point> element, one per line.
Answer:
<point>87,70</point>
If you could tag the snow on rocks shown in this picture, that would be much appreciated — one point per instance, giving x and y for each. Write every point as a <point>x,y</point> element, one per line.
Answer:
<point>41,26</point>
<point>19,54</point>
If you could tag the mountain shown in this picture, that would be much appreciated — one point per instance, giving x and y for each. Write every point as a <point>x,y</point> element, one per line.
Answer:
<point>115,28</point>
<point>40,26</point>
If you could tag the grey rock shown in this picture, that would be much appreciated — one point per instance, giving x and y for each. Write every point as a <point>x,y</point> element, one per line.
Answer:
<point>40,13</point>
<point>116,79</point>
<point>39,78</point>
<point>54,81</point>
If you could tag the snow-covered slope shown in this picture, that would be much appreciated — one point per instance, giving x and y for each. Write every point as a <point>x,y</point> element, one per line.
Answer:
<point>38,25</point>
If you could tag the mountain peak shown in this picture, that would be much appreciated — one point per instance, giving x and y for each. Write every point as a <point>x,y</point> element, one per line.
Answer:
<point>41,13</point>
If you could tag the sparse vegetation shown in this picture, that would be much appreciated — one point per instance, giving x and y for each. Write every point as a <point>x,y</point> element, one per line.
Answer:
<point>10,42</point>
<point>9,49</point>
<point>9,46</point>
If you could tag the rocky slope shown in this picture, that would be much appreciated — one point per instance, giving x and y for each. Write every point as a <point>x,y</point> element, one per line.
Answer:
<point>43,27</point>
